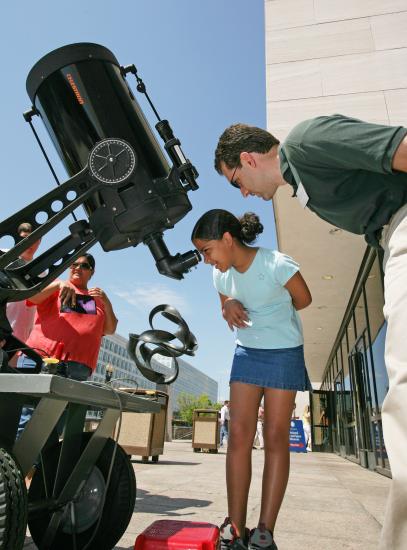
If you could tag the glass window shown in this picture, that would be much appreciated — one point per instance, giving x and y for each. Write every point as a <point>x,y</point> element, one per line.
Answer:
<point>351,333</point>
<point>334,365</point>
<point>360,315</point>
<point>380,448</point>
<point>340,357</point>
<point>348,402</point>
<point>380,373</point>
<point>375,299</point>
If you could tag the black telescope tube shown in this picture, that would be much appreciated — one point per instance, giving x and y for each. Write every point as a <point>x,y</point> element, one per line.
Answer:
<point>98,127</point>
<point>83,98</point>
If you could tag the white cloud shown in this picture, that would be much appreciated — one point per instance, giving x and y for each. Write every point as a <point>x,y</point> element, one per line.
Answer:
<point>151,295</point>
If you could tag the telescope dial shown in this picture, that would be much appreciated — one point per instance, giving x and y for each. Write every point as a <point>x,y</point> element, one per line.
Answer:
<point>112,161</point>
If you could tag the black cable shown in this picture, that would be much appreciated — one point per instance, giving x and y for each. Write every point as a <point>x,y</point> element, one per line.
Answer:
<point>44,152</point>
<point>25,348</point>
<point>47,159</point>
<point>126,379</point>
<point>141,87</point>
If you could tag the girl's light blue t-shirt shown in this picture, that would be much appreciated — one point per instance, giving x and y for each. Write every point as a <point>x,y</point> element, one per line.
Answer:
<point>275,321</point>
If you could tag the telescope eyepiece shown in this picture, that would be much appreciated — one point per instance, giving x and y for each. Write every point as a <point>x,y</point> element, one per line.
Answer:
<point>171,266</point>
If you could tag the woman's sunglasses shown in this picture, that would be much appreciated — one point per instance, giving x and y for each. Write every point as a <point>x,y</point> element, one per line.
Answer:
<point>81,265</point>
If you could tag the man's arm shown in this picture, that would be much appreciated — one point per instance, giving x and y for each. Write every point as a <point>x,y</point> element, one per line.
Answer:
<point>341,142</point>
<point>400,157</point>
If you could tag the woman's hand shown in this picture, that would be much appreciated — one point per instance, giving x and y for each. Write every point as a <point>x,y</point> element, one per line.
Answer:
<point>97,292</point>
<point>234,313</point>
<point>67,294</point>
<point>110,317</point>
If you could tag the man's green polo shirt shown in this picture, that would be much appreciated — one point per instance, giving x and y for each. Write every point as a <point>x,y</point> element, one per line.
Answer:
<point>344,165</point>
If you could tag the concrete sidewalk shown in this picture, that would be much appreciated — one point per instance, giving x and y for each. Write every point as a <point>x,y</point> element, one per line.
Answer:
<point>330,503</point>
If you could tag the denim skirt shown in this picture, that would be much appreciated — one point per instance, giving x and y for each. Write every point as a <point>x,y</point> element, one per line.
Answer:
<point>271,368</point>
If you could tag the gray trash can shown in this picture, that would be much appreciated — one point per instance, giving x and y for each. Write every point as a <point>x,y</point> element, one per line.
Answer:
<point>144,433</point>
<point>205,430</point>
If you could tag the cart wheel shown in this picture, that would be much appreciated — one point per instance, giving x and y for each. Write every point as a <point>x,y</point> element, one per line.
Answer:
<point>213,451</point>
<point>13,503</point>
<point>118,504</point>
<point>197,450</point>
<point>155,458</point>
<point>144,459</point>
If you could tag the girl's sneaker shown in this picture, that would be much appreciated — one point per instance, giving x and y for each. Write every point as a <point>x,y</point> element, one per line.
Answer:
<point>229,539</point>
<point>261,539</point>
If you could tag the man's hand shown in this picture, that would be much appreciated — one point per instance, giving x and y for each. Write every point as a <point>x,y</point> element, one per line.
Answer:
<point>234,313</point>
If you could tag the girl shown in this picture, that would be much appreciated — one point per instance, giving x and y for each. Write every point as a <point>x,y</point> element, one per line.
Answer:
<point>260,292</point>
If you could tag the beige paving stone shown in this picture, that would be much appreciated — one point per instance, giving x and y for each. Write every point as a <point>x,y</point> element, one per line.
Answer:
<point>330,503</point>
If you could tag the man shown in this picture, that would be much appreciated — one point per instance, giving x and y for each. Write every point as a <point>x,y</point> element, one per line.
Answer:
<point>353,175</point>
<point>224,423</point>
<point>259,427</point>
<point>20,316</point>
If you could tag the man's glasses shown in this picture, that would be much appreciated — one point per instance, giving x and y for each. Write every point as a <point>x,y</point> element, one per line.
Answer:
<point>81,265</point>
<point>232,179</point>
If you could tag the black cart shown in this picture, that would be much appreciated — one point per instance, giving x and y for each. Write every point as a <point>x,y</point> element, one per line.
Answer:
<point>83,490</point>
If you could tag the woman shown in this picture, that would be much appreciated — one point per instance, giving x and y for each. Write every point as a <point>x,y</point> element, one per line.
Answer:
<point>260,292</point>
<point>71,319</point>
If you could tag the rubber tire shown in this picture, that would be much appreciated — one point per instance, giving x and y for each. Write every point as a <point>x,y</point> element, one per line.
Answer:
<point>197,450</point>
<point>13,503</point>
<point>118,508</point>
<point>155,458</point>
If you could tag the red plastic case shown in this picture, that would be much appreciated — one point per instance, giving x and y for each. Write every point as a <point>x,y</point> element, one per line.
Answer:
<point>178,535</point>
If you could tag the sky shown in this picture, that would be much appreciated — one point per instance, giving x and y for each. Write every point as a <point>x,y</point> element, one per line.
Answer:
<point>204,66</point>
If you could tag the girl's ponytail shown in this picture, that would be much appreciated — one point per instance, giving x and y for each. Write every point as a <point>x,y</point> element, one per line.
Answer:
<point>251,227</point>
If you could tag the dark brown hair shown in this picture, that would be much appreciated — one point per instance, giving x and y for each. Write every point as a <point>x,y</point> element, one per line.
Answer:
<point>215,223</point>
<point>239,138</point>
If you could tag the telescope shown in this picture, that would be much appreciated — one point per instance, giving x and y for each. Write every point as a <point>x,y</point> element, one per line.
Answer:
<point>131,193</point>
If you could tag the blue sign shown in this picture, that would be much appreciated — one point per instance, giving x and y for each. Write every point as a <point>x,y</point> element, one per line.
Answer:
<point>297,437</point>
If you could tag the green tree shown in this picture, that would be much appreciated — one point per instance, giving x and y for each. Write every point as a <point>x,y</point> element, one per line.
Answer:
<point>187,403</point>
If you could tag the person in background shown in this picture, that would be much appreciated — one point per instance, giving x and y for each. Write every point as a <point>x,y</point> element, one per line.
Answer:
<point>19,315</point>
<point>306,422</point>
<point>259,428</point>
<point>224,423</point>
<point>260,292</point>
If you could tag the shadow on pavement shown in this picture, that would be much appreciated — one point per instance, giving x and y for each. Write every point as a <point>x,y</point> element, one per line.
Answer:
<point>166,462</point>
<point>162,505</point>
